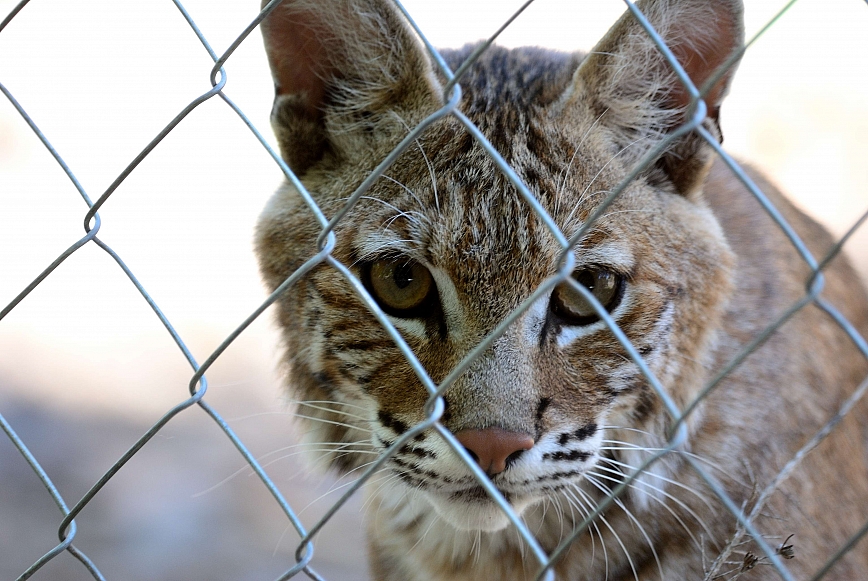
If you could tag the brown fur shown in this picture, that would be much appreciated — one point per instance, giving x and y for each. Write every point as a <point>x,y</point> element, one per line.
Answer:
<point>705,270</point>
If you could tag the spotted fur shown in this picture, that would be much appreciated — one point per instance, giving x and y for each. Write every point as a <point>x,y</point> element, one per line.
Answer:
<point>704,271</point>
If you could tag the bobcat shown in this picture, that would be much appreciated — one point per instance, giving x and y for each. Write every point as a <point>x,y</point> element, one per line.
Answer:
<point>556,411</point>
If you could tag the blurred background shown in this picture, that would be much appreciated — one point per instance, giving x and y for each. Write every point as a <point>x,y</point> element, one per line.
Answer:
<point>85,366</point>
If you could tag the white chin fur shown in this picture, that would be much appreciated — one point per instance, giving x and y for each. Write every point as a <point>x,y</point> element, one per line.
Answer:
<point>475,516</point>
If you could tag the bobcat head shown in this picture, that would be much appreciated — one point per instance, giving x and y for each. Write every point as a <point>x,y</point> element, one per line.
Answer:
<point>448,248</point>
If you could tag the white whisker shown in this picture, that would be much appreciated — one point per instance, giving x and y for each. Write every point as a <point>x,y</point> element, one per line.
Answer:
<point>388,478</point>
<point>583,499</point>
<point>671,481</point>
<point>324,421</point>
<point>605,490</point>
<point>246,467</point>
<point>635,446</point>
<point>614,534</point>
<point>332,489</point>
<point>662,503</point>
<point>334,411</point>
<point>326,402</point>
<point>436,517</point>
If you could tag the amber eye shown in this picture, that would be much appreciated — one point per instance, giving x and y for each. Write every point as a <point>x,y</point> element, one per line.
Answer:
<point>402,288</point>
<point>571,307</point>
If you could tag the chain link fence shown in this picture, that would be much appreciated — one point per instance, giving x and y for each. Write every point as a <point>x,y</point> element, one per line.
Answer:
<point>69,509</point>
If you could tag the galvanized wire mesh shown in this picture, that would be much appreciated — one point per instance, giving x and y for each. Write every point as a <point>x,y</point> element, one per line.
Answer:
<point>198,385</point>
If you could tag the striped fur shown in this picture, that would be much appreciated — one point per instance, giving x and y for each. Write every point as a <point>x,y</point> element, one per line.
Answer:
<point>704,272</point>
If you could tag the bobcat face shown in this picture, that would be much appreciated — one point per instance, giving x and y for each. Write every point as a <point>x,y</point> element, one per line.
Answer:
<point>555,409</point>
<point>448,249</point>
<point>446,246</point>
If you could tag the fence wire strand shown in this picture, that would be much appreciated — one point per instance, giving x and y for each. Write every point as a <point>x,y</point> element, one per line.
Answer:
<point>434,408</point>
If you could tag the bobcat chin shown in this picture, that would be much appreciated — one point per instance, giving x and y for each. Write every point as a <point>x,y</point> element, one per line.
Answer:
<point>555,411</point>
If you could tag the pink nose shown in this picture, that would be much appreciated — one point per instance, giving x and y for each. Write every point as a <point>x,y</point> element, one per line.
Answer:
<point>494,448</point>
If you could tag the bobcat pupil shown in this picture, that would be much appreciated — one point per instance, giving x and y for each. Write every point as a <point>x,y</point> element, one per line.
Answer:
<point>403,276</point>
<point>587,279</point>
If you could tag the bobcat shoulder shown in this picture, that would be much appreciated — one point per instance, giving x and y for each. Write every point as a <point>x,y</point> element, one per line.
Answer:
<point>556,412</point>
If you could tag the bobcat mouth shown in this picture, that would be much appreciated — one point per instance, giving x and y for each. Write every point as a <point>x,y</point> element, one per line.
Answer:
<point>445,487</point>
<point>474,510</point>
<point>477,494</point>
<point>467,508</point>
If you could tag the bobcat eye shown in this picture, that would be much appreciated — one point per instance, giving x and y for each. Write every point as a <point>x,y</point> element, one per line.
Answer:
<point>402,288</point>
<point>571,307</point>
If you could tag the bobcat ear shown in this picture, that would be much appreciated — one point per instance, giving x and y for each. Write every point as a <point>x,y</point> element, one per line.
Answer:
<point>629,83</point>
<point>340,65</point>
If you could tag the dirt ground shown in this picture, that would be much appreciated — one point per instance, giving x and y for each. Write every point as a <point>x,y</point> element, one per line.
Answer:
<point>185,508</point>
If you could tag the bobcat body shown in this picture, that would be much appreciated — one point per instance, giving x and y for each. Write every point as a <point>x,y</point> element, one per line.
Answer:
<point>685,261</point>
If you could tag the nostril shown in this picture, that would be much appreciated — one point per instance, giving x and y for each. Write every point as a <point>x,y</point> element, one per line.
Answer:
<point>513,458</point>
<point>472,454</point>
